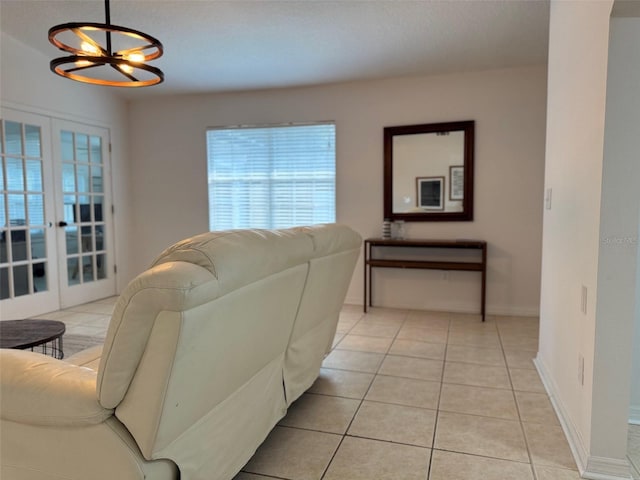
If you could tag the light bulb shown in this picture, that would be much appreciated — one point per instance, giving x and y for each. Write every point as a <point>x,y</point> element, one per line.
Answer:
<point>126,68</point>
<point>136,57</point>
<point>89,48</point>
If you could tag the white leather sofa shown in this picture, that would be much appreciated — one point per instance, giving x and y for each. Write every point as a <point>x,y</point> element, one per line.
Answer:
<point>204,353</point>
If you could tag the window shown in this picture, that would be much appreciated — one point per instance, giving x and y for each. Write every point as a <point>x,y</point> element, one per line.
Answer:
<point>271,177</point>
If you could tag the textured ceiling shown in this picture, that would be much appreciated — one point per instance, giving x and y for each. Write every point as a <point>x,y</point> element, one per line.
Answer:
<point>213,45</point>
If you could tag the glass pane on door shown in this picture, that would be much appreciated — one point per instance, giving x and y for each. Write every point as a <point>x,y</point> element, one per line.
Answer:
<point>23,236</point>
<point>82,184</point>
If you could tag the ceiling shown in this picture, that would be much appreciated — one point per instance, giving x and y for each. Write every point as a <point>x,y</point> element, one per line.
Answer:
<point>216,45</point>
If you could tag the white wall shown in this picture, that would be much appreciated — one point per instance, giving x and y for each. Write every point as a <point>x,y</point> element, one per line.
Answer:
<point>617,283</point>
<point>27,84</point>
<point>592,201</point>
<point>575,121</point>
<point>618,242</point>
<point>170,189</point>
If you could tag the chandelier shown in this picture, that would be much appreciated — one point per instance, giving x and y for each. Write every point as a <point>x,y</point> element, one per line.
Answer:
<point>106,54</point>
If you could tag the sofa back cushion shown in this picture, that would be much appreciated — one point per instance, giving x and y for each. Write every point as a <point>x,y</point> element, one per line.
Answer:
<point>189,274</point>
<point>335,254</point>
<point>212,317</point>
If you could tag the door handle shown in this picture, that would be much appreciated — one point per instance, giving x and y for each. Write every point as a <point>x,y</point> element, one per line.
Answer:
<point>62,223</point>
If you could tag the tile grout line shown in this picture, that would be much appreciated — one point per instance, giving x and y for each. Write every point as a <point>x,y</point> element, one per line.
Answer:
<point>363,396</point>
<point>435,424</point>
<point>342,437</point>
<point>515,400</point>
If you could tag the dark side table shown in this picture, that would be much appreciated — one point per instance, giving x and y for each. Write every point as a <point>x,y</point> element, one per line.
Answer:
<point>28,334</point>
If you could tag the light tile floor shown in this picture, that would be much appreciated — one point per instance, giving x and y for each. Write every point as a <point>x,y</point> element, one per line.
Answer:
<point>421,395</point>
<point>91,319</point>
<point>411,395</point>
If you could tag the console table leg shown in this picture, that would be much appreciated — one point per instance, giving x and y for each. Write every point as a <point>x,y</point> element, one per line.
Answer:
<point>484,281</point>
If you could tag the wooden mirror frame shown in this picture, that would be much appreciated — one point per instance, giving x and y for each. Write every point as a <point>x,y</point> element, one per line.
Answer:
<point>468,127</point>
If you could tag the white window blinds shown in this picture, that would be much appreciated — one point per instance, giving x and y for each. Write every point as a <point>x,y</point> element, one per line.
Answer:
<point>271,177</point>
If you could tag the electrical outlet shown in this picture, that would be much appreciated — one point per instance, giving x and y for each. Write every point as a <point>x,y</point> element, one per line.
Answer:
<point>547,199</point>
<point>581,370</point>
<point>583,300</point>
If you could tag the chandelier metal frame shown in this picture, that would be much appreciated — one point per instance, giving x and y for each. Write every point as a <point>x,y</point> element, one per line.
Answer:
<point>93,55</point>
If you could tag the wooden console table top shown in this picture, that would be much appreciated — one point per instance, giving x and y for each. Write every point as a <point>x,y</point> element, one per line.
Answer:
<point>417,242</point>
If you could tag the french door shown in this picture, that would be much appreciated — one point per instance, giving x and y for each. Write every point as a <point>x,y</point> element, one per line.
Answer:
<point>83,212</point>
<point>56,229</point>
<point>28,266</point>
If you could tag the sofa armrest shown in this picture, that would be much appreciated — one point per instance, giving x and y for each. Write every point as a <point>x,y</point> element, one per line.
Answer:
<point>40,390</point>
<point>89,358</point>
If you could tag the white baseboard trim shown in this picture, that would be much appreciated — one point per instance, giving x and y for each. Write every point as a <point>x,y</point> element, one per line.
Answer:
<point>599,468</point>
<point>590,467</point>
<point>634,415</point>
<point>505,310</point>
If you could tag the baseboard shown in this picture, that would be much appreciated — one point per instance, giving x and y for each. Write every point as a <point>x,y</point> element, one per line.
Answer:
<point>599,468</point>
<point>574,438</point>
<point>589,466</point>
<point>634,415</point>
<point>460,307</point>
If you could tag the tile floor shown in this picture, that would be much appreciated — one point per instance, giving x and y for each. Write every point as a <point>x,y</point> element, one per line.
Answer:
<point>411,395</point>
<point>90,319</point>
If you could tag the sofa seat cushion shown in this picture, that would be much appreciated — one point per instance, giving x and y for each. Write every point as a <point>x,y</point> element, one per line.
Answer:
<point>41,390</point>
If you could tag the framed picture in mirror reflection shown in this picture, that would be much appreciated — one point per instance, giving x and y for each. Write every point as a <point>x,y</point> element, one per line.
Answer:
<point>456,182</point>
<point>430,193</point>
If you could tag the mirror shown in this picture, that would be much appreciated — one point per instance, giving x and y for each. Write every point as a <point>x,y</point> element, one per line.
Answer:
<point>428,172</point>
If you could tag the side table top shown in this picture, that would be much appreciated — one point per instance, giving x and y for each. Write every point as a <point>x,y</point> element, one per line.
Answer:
<point>29,333</point>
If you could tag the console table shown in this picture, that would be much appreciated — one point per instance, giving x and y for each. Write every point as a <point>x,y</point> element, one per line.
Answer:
<point>370,261</point>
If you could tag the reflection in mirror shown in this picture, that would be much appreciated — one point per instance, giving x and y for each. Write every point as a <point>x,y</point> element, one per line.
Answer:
<point>429,172</point>
<point>411,193</point>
